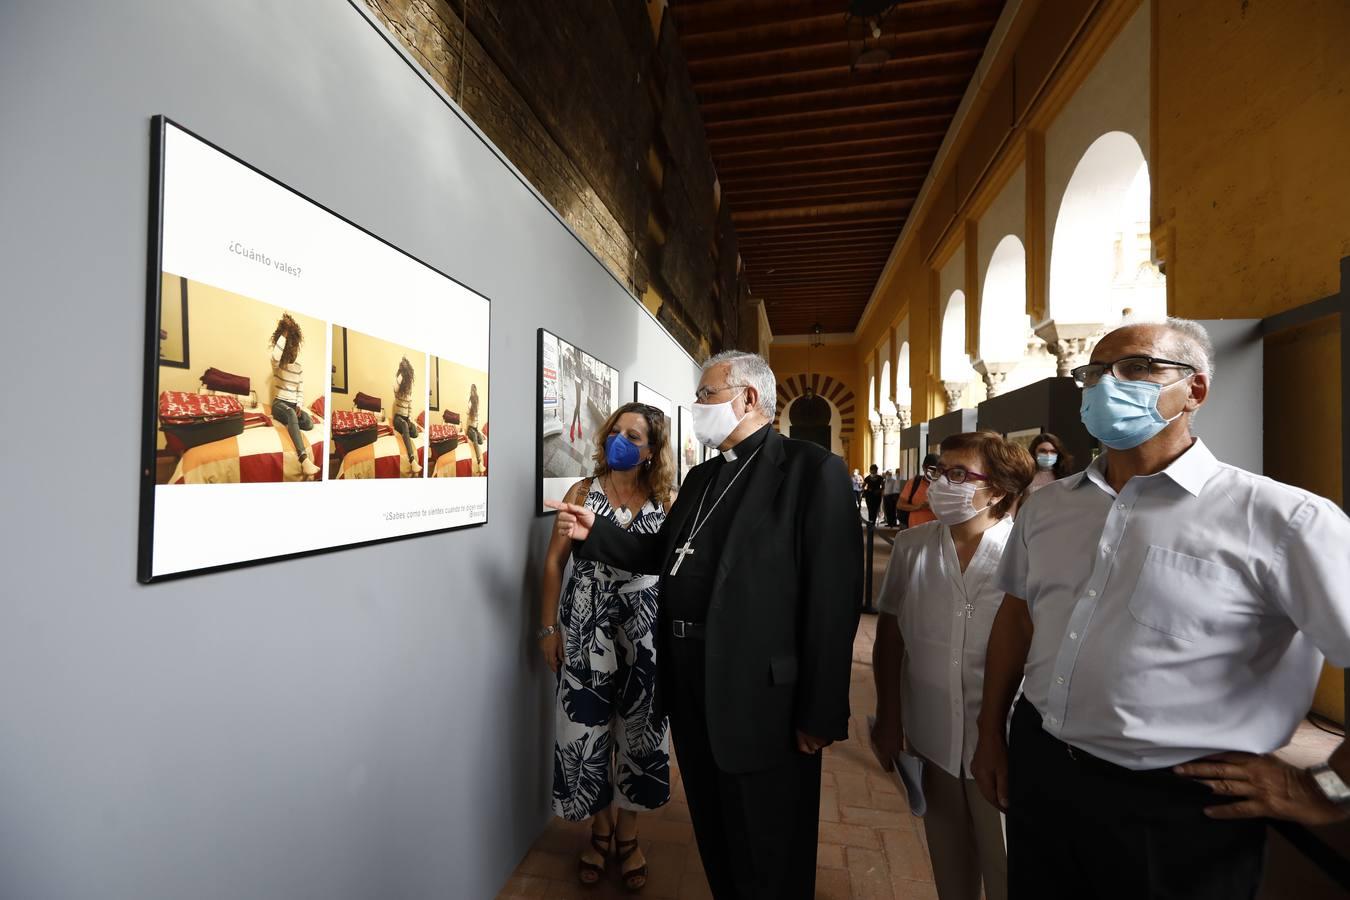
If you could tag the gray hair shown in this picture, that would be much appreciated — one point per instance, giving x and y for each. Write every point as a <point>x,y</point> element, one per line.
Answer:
<point>1193,346</point>
<point>749,370</point>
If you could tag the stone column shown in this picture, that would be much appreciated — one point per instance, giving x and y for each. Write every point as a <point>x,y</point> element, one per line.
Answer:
<point>954,390</point>
<point>1071,343</point>
<point>890,442</point>
<point>903,414</point>
<point>994,375</point>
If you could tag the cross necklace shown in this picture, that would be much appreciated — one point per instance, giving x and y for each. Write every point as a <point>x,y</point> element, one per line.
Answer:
<point>687,550</point>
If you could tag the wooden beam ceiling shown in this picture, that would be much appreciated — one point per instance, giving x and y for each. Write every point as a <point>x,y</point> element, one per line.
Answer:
<point>820,162</point>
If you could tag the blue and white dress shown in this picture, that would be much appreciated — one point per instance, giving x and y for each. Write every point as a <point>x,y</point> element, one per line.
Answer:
<point>612,746</point>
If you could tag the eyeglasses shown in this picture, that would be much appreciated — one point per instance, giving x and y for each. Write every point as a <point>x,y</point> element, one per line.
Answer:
<point>1127,368</point>
<point>704,393</point>
<point>955,474</point>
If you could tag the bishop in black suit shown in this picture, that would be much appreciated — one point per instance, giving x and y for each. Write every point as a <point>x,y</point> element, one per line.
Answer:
<point>755,641</point>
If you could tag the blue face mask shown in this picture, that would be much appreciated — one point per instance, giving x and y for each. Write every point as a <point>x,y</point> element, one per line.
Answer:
<point>621,453</point>
<point>1124,414</point>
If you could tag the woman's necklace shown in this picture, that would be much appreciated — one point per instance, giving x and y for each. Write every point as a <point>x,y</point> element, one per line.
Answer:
<point>622,513</point>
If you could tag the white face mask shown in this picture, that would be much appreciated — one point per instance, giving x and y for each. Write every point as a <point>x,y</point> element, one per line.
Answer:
<point>714,422</point>
<point>954,504</point>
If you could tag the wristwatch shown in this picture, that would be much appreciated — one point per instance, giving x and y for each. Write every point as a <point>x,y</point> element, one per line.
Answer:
<point>1331,784</point>
<point>545,632</point>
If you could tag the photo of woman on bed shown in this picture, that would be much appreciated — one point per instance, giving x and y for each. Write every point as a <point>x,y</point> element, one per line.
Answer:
<point>229,413</point>
<point>403,385</point>
<point>378,426</point>
<point>458,433</point>
<point>288,388</point>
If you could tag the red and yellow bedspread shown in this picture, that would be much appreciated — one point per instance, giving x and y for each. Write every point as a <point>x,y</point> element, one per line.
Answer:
<point>260,454</point>
<point>386,458</point>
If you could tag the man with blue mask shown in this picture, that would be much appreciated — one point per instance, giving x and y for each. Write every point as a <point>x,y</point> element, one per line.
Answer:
<point>1170,615</point>
<point>760,563</point>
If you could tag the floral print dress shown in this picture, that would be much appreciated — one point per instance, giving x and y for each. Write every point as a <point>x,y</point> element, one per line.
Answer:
<point>611,745</point>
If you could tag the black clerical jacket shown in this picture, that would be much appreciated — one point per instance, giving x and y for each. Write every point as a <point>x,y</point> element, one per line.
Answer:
<point>785,601</point>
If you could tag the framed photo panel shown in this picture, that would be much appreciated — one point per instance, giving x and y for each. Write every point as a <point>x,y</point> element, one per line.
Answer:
<point>312,344</point>
<point>577,393</point>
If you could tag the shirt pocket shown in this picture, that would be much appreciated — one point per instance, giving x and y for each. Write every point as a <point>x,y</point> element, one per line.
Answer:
<point>1186,597</point>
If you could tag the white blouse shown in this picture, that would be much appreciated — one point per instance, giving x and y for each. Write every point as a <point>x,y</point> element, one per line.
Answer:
<point>945,617</point>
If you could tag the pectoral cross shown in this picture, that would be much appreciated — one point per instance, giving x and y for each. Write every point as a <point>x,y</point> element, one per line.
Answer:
<point>682,552</point>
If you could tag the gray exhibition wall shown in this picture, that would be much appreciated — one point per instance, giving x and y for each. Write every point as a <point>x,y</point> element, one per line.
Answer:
<point>366,723</point>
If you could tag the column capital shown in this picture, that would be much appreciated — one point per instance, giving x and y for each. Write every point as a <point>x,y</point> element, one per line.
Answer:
<point>953,390</point>
<point>1070,342</point>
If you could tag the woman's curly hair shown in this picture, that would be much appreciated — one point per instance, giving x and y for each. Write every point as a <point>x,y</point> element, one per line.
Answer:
<point>290,330</point>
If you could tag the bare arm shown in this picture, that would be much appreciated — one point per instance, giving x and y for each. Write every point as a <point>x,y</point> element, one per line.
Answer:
<point>1009,643</point>
<point>550,583</point>
<point>888,652</point>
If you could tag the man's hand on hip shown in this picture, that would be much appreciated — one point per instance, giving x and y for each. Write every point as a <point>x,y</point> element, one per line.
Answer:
<point>1262,787</point>
<point>807,743</point>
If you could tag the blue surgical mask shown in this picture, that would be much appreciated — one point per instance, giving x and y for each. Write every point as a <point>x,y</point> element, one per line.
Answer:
<point>1047,460</point>
<point>1124,414</point>
<point>621,453</point>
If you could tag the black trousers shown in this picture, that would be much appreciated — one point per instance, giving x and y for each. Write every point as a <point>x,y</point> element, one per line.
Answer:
<point>873,505</point>
<point>889,504</point>
<point>756,831</point>
<point>1081,828</point>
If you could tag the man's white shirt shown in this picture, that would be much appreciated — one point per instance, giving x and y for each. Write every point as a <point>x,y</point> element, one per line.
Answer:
<point>1186,616</point>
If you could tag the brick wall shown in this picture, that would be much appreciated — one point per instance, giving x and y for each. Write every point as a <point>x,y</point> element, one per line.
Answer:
<point>591,101</point>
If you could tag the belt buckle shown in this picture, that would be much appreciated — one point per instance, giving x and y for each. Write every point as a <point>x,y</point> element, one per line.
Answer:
<point>677,628</point>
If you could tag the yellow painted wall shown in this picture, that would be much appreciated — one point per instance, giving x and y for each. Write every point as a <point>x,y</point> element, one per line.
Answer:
<point>838,361</point>
<point>372,367</point>
<point>1253,188</point>
<point>232,332</point>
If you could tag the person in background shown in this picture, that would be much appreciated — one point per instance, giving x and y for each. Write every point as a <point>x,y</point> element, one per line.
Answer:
<point>938,602</point>
<point>287,389</point>
<point>890,496</point>
<point>914,500</point>
<point>1169,614</point>
<point>857,489</point>
<point>1053,462</point>
<point>873,487</point>
<point>612,746</point>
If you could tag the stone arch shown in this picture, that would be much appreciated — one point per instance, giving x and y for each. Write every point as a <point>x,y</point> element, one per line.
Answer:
<point>1101,249</point>
<point>835,392</point>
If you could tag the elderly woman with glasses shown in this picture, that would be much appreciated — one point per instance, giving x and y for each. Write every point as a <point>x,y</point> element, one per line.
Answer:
<point>938,603</point>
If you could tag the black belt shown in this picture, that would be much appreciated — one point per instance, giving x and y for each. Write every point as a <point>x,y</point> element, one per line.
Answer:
<point>1082,758</point>
<point>691,630</point>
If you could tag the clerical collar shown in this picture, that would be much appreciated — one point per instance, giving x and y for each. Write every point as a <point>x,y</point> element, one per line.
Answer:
<point>748,444</point>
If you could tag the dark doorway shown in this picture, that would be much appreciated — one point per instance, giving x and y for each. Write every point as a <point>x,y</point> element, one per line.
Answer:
<point>809,419</point>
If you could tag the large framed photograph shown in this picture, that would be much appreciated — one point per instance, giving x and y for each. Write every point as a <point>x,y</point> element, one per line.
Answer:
<point>1023,437</point>
<point>313,345</point>
<point>577,393</point>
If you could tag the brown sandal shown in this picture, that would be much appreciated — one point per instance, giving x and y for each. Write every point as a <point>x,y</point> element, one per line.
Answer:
<point>636,880</point>
<point>601,844</point>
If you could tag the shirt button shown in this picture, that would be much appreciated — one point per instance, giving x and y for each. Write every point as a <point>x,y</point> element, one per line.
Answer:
<point>1106,548</point>
<point>1120,506</point>
<point>1092,593</point>
<point>1050,719</point>
<point>1059,679</point>
<point>956,662</point>
<point>1073,635</point>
